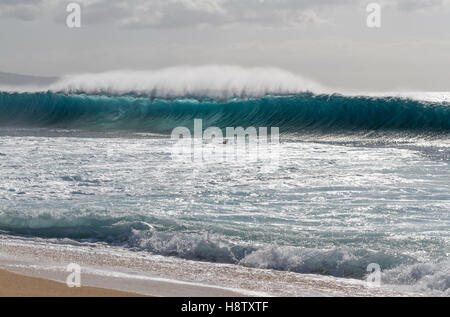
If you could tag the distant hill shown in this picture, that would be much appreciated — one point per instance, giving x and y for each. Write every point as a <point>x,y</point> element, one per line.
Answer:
<point>11,79</point>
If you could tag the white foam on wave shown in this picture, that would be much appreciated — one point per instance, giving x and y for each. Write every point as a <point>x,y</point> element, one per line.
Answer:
<point>210,81</point>
<point>430,278</point>
<point>214,81</point>
<point>425,96</point>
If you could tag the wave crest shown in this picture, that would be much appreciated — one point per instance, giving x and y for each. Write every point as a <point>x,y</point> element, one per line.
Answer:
<point>207,81</point>
<point>302,113</point>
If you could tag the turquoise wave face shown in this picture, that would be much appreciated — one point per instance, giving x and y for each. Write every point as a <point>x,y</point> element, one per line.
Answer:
<point>302,113</point>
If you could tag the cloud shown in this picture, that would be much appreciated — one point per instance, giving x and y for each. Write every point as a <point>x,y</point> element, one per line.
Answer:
<point>419,5</point>
<point>187,13</point>
<point>25,10</point>
<point>413,6</point>
<point>176,13</point>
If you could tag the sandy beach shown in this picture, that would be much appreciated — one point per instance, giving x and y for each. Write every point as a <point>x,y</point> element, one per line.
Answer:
<point>15,285</point>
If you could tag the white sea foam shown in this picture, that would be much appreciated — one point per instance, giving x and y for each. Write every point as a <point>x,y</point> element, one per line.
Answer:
<point>214,81</point>
<point>427,96</point>
<point>430,278</point>
<point>210,81</point>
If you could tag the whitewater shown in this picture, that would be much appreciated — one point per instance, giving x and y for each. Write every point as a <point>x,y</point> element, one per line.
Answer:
<point>362,178</point>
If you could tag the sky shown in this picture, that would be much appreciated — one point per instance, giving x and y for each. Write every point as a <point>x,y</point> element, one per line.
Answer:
<point>327,41</point>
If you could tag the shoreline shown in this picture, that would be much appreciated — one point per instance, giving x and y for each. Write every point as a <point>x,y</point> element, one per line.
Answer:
<point>17,285</point>
<point>135,272</point>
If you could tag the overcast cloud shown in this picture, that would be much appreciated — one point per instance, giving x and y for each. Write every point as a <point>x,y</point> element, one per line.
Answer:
<point>180,13</point>
<point>326,40</point>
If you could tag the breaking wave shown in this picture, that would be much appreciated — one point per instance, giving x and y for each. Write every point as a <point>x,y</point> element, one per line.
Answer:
<point>299,113</point>
<point>137,233</point>
<point>223,96</point>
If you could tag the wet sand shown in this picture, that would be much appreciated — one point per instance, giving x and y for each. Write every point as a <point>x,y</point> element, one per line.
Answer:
<point>15,285</point>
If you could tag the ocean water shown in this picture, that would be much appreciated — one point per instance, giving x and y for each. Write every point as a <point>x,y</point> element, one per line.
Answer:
<point>357,179</point>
